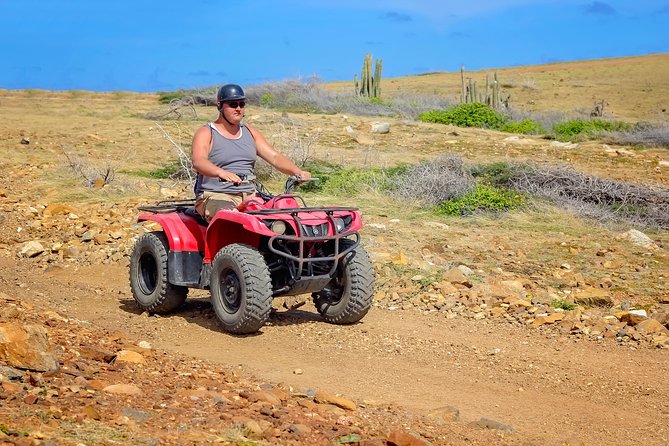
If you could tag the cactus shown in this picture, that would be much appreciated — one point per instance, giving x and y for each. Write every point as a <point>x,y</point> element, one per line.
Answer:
<point>491,96</point>
<point>369,86</point>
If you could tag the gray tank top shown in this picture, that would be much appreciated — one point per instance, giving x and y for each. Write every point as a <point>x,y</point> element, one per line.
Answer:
<point>234,155</point>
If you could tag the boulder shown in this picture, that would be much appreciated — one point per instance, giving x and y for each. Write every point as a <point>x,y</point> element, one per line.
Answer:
<point>26,347</point>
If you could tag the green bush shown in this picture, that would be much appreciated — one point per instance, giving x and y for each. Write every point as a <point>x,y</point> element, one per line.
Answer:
<point>581,129</point>
<point>564,304</point>
<point>266,99</point>
<point>525,127</point>
<point>497,174</point>
<point>160,173</point>
<point>474,114</point>
<point>165,97</point>
<point>336,180</point>
<point>482,198</point>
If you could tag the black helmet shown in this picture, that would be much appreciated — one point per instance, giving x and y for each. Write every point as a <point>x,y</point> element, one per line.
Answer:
<point>230,92</point>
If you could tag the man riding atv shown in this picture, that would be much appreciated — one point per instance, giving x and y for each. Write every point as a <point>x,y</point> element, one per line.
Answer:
<point>246,245</point>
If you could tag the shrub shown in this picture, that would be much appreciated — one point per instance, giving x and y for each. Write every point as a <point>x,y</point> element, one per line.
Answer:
<point>564,304</point>
<point>525,127</point>
<point>474,114</point>
<point>482,198</point>
<point>579,129</point>
<point>169,171</point>
<point>336,180</point>
<point>432,182</point>
<point>497,174</point>
<point>602,199</point>
<point>642,135</point>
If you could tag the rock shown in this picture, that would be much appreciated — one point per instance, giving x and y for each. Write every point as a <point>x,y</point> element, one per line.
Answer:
<point>31,249</point>
<point>380,127</point>
<point>651,326</point>
<point>145,345</point>
<point>640,239</point>
<point>455,275</point>
<point>299,429</point>
<point>130,357</point>
<point>91,412</point>
<point>26,347</point>
<point>10,373</point>
<point>566,145</point>
<point>298,371</point>
<point>123,389</point>
<point>401,438</point>
<point>446,413</point>
<point>322,397</point>
<point>631,318</point>
<point>549,319</point>
<point>25,140</point>
<point>594,297</point>
<point>486,423</point>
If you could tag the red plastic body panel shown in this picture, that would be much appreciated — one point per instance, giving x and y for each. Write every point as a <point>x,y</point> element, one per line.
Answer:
<point>183,232</point>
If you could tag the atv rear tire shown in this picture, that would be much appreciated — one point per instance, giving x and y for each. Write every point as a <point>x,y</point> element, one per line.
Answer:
<point>241,291</point>
<point>148,275</point>
<point>348,296</point>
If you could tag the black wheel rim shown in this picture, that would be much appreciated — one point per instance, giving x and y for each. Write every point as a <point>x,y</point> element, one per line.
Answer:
<point>335,289</point>
<point>231,291</point>
<point>148,273</point>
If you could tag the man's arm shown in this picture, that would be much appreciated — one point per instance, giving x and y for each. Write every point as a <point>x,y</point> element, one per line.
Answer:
<point>277,159</point>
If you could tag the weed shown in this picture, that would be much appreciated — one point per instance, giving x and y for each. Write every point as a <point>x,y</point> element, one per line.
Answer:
<point>474,114</point>
<point>432,182</point>
<point>564,304</point>
<point>525,127</point>
<point>336,180</point>
<point>580,129</point>
<point>497,174</point>
<point>160,173</point>
<point>482,198</point>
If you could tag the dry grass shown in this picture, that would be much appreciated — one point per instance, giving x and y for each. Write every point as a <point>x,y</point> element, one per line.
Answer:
<point>634,88</point>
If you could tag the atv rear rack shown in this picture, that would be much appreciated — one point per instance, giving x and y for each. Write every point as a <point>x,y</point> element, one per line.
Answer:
<point>169,206</point>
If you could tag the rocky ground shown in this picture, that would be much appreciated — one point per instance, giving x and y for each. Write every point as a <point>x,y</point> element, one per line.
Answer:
<point>535,328</point>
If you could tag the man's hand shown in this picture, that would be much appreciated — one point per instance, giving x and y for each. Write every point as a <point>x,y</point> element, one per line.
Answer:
<point>302,174</point>
<point>224,175</point>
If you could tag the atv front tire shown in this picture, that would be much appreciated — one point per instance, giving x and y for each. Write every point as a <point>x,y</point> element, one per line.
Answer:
<point>348,296</point>
<point>148,275</point>
<point>241,291</point>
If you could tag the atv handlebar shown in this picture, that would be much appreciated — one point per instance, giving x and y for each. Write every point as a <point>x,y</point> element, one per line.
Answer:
<point>296,180</point>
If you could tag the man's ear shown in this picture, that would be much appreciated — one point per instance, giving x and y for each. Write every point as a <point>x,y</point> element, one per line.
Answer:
<point>219,105</point>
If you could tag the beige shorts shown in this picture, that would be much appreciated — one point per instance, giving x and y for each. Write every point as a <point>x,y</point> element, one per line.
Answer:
<point>208,203</point>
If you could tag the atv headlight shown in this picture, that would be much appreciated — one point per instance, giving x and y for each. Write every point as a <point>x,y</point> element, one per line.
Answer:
<point>339,224</point>
<point>342,223</point>
<point>278,226</point>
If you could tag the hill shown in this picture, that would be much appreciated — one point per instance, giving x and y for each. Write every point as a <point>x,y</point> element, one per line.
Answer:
<point>633,88</point>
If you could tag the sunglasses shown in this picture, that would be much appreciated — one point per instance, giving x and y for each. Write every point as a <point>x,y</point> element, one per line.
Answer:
<point>235,104</point>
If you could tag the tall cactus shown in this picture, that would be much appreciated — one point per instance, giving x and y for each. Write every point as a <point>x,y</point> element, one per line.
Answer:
<point>491,96</point>
<point>369,86</point>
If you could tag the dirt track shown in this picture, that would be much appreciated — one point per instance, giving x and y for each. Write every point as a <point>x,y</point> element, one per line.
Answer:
<point>550,388</point>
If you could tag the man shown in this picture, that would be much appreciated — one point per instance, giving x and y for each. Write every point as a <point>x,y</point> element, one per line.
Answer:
<point>224,153</point>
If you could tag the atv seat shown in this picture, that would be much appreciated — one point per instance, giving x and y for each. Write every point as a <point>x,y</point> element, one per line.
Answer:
<point>193,213</point>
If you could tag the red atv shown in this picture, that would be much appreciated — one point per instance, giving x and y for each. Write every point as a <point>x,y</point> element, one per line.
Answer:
<point>269,246</point>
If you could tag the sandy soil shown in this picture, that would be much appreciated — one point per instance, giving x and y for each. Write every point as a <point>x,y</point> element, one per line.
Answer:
<point>548,387</point>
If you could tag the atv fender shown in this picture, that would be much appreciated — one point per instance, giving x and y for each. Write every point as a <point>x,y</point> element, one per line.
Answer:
<point>186,242</point>
<point>228,227</point>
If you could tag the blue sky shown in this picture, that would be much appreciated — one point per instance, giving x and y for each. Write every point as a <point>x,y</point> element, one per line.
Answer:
<point>144,46</point>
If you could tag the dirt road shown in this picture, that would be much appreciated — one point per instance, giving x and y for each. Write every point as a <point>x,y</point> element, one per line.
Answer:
<point>550,388</point>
